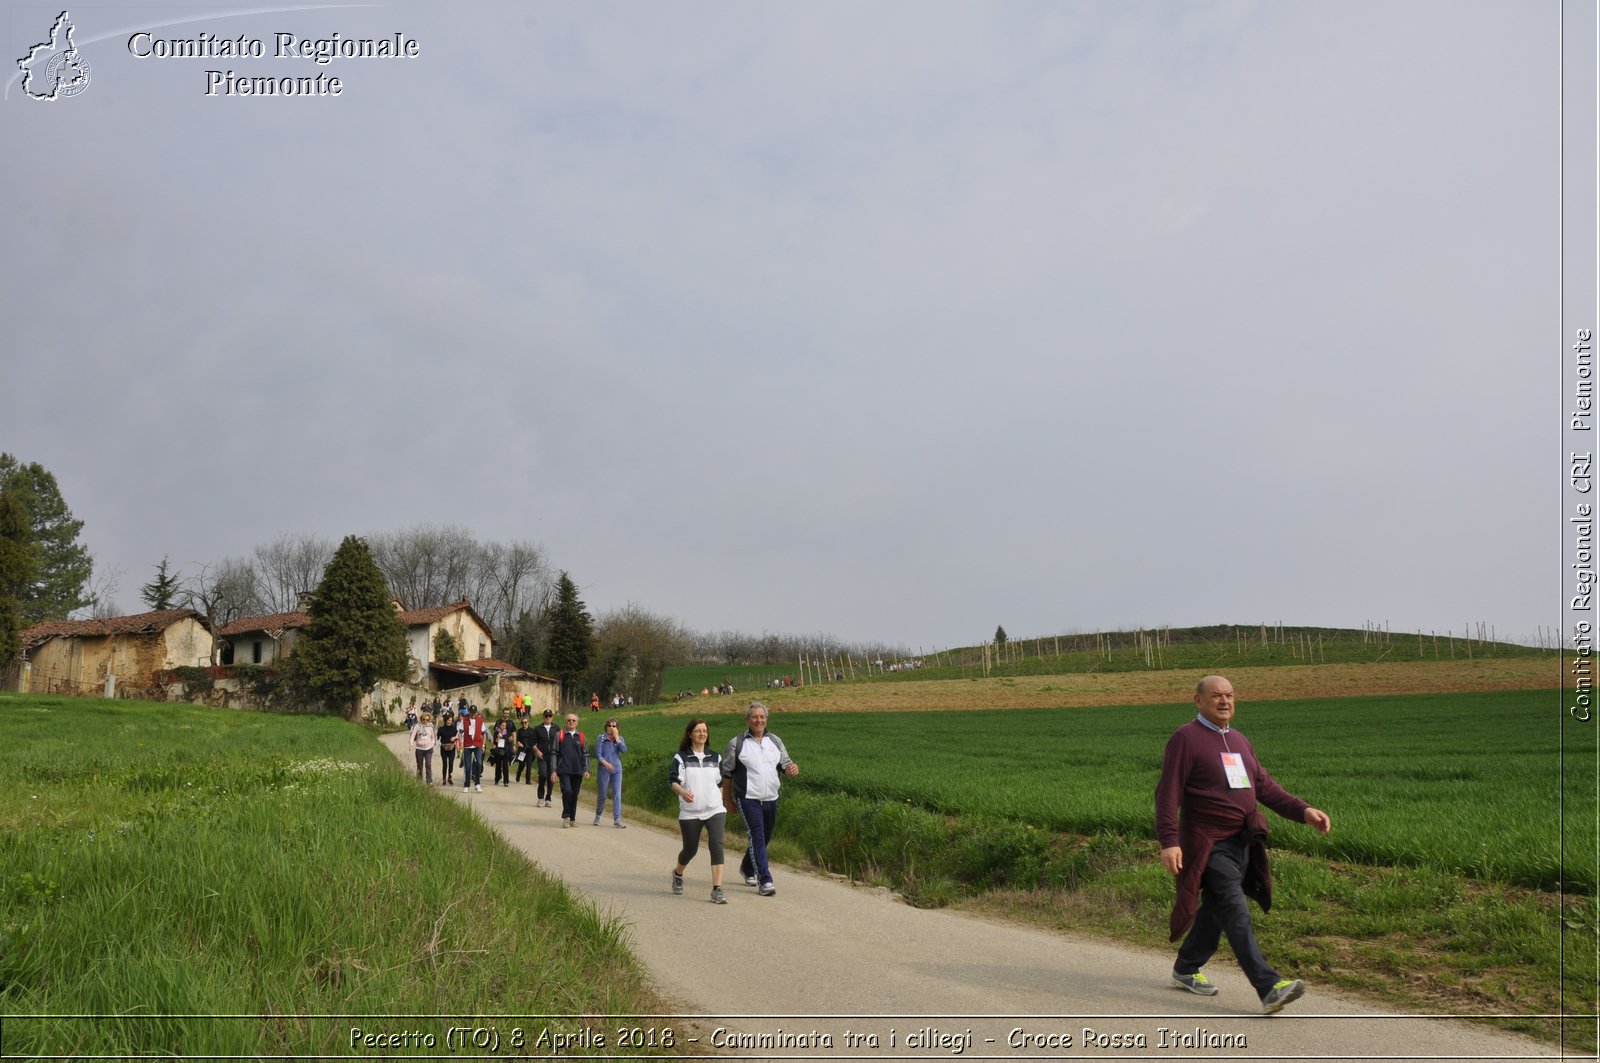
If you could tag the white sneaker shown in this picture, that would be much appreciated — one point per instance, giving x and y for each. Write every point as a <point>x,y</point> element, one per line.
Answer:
<point>480,788</point>
<point>750,880</point>
<point>466,789</point>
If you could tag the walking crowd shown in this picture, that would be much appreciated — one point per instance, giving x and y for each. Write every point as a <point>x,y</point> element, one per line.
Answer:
<point>746,778</point>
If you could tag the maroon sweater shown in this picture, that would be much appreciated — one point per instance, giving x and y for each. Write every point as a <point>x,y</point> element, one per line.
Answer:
<point>1195,807</point>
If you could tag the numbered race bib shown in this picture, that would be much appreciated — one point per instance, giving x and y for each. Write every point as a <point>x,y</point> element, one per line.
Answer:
<point>1233,767</point>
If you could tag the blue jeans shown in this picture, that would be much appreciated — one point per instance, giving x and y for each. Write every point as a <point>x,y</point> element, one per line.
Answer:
<point>1224,909</point>
<point>612,781</point>
<point>472,767</point>
<point>760,817</point>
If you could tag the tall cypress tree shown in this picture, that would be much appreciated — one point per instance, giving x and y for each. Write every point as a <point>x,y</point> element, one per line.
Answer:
<point>354,637</point>
<point>571,638</point>
<point>18,570</point>
<point>60,583</point>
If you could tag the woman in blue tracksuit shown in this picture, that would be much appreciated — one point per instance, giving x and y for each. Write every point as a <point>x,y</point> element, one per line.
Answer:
<point>608,750</point>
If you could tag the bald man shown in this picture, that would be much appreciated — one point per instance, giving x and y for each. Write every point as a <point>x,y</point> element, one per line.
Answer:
<point>1213,839</point>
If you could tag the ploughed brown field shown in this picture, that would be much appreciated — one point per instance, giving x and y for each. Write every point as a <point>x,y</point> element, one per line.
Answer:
<point>1078,689</point>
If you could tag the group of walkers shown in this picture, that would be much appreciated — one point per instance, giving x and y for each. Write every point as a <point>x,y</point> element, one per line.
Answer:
<point>745,778</point>
<point>522,751</point>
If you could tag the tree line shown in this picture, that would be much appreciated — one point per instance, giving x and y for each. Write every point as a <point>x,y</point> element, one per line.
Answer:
<point>737,647</point>
<point>540,621</point>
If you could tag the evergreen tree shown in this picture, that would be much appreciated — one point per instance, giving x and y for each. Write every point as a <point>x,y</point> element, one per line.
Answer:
<point>571,642</point>
<point>1000,636</point>
<point>354,637</point>
<point>523,645</point>
<point>446,649</point>
<point>60,584</point>
<point>161,592</point>
<point>18,569</point>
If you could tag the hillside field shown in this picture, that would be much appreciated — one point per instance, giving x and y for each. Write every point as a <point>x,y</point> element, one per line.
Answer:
<point>1460,874</point>
<point>908,693</point>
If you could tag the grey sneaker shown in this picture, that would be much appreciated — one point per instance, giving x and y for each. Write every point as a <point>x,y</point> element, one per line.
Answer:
<point>768,889</point>
<point>750,880</point>
<point>620,825</point>
<point>1282,993</point>
<point>1194,983</point>
<point>716,894</point>
<point>677,884</point>
<point>597,821</point>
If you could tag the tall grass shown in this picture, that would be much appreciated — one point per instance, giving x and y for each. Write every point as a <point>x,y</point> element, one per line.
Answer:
<point>165,863</point>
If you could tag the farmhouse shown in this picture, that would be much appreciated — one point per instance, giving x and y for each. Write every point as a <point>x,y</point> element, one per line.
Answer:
<point>261,639</point>
<point>539,692</point>
<point>79,656</point>
<point>459,620</point>
<point>139,651</point>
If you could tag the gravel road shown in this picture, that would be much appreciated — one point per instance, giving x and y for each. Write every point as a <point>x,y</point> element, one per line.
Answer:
<point>826,970</point>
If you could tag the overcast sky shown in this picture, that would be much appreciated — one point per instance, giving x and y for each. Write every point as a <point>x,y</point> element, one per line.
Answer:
<point>894,320</point>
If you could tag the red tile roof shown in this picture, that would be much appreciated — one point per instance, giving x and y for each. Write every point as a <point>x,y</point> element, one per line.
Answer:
<point>273,624</point>
<point>487,665</point>
<point>415,617</point>
<point>492,664</point>
<point>137,624</point>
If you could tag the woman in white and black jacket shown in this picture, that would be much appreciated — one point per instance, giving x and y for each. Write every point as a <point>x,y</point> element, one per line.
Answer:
<point>697,780</point>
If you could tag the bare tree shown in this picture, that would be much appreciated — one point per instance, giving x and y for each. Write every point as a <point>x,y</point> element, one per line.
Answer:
<point>223,592</point>
<point>509,581</point>
<point>426,565</point>
<point>288,567</point>
<point>102,592</point>
<point>633,649</point>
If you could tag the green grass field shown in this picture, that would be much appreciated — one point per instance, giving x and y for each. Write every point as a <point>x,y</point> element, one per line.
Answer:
<point>1460,874</point>
<point>1457,782</point>
<point>169,861</point>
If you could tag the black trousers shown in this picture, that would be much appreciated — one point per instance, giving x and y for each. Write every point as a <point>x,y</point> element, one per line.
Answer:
<point>1224,909</point>
<point>569,796</point>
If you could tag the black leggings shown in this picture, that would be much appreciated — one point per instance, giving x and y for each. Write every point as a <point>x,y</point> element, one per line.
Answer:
<point>690,829</point>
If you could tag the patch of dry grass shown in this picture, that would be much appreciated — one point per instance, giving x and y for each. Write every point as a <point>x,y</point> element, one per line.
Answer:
<point>1081,690</point>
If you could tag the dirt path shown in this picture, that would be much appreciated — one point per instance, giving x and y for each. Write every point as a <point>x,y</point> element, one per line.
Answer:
<point>823,958</point>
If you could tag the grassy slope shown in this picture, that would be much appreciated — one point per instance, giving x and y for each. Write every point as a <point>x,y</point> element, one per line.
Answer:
<point>174,859</point>
<point>1200,649</point>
